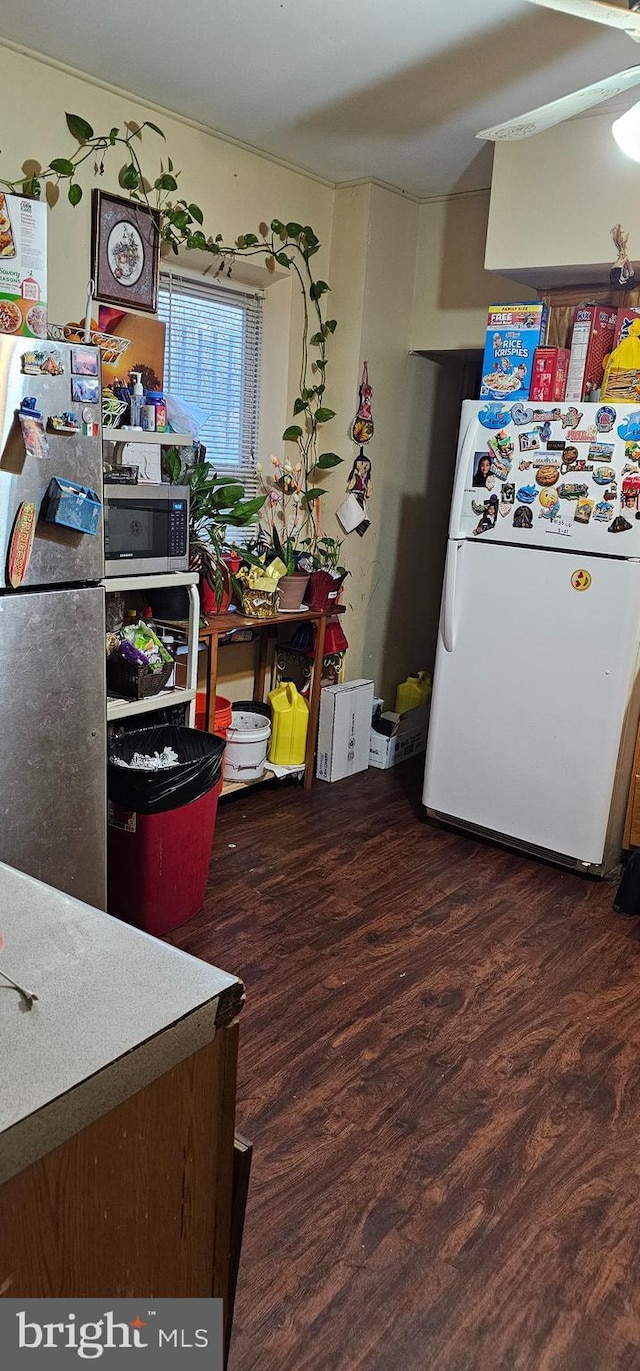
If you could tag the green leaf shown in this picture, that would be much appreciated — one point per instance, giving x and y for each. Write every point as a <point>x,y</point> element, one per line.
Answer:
<point>318,288</point>
<point>331,325</point>
<point>327,460</point>
<point>113,135</point>
<point>79,128</point>
<point>128,177</point>
<point>277,226</point>
<point>62,166</point>
<point>294,230</point>
<point>198,240</point>
<point>282,259</point>
<point>292,434</point>
<point>166,182</point>
<point>322,416</point>
<point>181,219</point>
<point>196,213</point>
<point>320,365</point>
<point>246,510</point>
<point>277,545</point>
<point>317,339</point>
<point>299,405</point>
<point>218,237</point>
<point>173,464</point>
<point>169,164</point>
<point>75,193</point>
<point>314,494</point>
<point>148,125</point>
<point>310,235</point>
<point>250,240</point>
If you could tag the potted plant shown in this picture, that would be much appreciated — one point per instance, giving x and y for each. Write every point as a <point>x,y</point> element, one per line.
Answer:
<point>215,504</point>
<point>281,529</point>
<point>328,575</point>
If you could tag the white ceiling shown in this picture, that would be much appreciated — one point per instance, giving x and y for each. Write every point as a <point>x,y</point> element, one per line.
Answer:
<point>392,89</point>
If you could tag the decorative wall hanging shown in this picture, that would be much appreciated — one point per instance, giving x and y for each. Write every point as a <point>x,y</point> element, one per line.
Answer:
<point>125,252</point>
<point>622,273</point>
<point>352,513</point>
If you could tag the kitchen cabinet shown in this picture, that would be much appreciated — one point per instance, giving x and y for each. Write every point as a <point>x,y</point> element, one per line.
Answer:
<point>117,1106</point>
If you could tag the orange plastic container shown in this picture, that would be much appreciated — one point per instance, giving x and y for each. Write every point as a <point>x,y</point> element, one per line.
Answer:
<point>221,718</point>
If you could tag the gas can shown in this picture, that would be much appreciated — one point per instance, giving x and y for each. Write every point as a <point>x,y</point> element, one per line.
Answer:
<point>413,692</point>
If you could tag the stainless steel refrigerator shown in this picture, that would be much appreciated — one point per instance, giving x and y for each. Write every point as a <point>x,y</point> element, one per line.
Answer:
<point>52,625</point>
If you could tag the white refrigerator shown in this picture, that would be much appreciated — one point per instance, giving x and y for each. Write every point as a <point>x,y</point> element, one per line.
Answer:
<point>536,691</point>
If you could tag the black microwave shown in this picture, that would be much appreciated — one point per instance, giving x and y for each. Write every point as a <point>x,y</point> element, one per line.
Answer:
<point>146,529</point>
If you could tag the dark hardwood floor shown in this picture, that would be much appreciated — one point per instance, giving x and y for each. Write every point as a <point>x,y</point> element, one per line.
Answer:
<point>440,1070</point>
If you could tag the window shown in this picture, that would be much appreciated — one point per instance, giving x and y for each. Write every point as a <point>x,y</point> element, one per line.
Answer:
<point>212,359</point>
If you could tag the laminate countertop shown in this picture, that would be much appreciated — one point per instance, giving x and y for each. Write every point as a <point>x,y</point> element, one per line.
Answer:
<point>115,1009</point>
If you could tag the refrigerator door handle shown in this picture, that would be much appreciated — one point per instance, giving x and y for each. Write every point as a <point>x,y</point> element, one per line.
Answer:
<point>449,597</point>
<point>467,448</point>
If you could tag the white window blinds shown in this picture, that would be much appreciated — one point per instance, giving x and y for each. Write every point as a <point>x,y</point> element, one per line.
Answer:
<point>212,358</point>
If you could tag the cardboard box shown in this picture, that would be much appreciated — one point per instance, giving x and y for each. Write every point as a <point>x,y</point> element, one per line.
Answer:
<point>513,334</point>
<point>591,340</point>
<point>549,376</point>
<point>409,737</point>
<point>23,266</point>
<point>343,730</point>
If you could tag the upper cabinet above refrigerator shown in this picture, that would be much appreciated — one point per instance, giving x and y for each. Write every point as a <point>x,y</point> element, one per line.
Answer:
<point>557,476</point>
<point>50,443</point>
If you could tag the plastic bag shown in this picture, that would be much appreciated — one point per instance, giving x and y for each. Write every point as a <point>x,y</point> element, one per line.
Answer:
<point>153,792</point>
<point>184,416</point>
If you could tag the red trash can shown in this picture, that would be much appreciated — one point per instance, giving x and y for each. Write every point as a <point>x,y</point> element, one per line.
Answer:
<point>161,827</point>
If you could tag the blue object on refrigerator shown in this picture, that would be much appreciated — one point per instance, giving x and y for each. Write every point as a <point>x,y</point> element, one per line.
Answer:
<point>74,506</point>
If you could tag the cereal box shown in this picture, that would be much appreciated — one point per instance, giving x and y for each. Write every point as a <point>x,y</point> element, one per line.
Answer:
<point>513,334</point>
<point>624,317</point>
<point>23,266</point>
<point>591,340</point>
<point>549,377</point>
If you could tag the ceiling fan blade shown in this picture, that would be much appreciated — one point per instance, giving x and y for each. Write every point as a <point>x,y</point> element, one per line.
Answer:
<point>558,110</point>
<point>600,11</point>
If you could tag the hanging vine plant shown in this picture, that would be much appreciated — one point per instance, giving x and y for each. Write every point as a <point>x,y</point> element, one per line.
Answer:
<point>287,245</point>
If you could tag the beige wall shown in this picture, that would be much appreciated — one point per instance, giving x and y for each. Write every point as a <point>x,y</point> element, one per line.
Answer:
<point>452,288</point>
<point>235,188</point>
<point>554,200</point>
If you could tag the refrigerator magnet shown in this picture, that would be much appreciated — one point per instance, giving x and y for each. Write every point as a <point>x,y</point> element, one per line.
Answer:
<point>629,429</point>
<point>529,441</point>
<point>547,475</point>
<point>572,490</point>
<point>581,579</point>
<point>488,517</point>
<point>524,465</point>
<point>603,512</point>
<point>556,445</point>
<point>603,476</point>
<point>583,511</point>
<point>605,418</point>
<point>21,543</point>
<point>35,438</point>
<point>619,525</point>
<point>507,500</point>
<point>85,390</point>
<point>494,416</point>
<point>527,494</point>
<point>600,452</point>
<point>523,517</point>
<point>42,362</point>
<point>550,504</point>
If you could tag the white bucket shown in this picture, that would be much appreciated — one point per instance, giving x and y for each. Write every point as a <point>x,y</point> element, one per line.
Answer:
<point>247,744</point>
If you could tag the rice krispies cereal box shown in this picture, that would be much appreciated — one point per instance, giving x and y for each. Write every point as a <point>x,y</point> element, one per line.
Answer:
<point>513,334</point>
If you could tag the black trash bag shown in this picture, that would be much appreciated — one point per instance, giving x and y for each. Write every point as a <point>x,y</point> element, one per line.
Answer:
<point>198,769</point>
<point>627,897</point>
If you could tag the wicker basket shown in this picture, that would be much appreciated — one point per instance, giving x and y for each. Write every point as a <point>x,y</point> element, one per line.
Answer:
<point>135,682</point>
<point>260,604</point>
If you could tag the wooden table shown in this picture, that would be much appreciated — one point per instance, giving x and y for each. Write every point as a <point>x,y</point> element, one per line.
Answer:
<point>221,627</point>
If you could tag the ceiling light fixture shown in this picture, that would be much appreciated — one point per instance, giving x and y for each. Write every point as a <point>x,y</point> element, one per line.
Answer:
<point>626,131</point>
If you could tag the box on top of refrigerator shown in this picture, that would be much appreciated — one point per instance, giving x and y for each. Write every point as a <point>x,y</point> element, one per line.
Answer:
<point>343,730</point>
<point>513,334</point>
<point>591,340</point>
<point>23,266</point>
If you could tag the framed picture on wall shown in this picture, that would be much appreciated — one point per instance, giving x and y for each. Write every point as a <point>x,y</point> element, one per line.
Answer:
<point>125,252</point>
